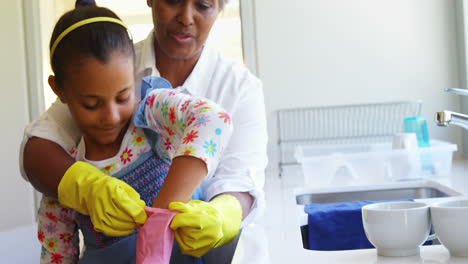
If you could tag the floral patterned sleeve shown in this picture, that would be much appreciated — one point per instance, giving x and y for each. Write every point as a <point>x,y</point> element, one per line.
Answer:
<point>57,232</point>
<point>188,125</point>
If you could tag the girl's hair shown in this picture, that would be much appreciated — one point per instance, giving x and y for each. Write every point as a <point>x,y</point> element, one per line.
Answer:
<point>98,40</point>
<point>84,3</point>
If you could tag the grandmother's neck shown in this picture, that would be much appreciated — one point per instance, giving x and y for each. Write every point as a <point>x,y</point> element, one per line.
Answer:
<point>176,71</point>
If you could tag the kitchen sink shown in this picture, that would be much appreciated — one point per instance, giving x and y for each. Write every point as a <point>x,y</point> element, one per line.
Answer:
<point>373,195</point>
<point>393,191</point>
<point>424,191</point>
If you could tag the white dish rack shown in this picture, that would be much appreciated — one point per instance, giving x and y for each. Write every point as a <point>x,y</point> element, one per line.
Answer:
<point>355,123</point>
<point>356,164</point>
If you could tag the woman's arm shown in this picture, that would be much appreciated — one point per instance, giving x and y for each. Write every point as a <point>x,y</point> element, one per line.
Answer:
<point>45,163</point>
<point>245,200</point>
<point>244,160</point>
<point>51,169</point>
<point>43,155</point>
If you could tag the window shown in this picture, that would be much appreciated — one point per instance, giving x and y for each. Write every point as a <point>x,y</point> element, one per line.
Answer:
<point>226,33</point>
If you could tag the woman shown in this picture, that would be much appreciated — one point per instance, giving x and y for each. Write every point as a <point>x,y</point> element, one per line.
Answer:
<point>176,51</point>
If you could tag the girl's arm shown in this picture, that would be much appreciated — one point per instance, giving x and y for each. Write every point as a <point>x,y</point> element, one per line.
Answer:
<point>183,178</point>
<point>193,132</point>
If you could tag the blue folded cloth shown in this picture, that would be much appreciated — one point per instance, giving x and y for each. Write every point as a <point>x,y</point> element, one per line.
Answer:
<point>337,226</point>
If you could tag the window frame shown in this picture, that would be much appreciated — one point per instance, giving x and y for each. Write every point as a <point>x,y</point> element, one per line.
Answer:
<point>249,34</point>
<point>461,16</point>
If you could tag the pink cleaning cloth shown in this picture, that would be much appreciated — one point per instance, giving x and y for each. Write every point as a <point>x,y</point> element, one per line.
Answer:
<point>155,238</point>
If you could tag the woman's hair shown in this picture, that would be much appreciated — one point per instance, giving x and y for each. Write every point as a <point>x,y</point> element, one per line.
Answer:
<point>221,3</point>
<point>98,40</point>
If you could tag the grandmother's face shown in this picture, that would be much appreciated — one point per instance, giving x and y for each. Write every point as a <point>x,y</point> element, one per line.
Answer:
<point>182,26</point>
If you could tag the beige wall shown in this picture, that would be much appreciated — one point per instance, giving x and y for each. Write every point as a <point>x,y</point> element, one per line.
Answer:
<point>50,12</point>
<point>331,52</point>
<point>16,196</point>
<point>62,6</point>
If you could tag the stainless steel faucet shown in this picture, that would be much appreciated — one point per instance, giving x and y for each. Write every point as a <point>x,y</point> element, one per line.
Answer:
<point>445,118</point>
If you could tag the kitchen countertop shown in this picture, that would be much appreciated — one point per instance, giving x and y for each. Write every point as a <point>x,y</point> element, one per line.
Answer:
<point>284,237</point>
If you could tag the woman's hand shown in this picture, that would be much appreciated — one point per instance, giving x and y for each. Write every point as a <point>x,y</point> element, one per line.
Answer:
<point>202,226</point>
<point>114,206</point>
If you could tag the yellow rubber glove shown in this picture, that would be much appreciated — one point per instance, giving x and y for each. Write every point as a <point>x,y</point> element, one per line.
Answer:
<point>202,226</point>
<point>114,206</point>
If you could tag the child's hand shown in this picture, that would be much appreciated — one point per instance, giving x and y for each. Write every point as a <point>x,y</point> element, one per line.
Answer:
<point>202,226</point>
<point>115,208</point>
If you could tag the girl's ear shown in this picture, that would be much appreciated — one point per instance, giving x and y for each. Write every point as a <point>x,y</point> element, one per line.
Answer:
<point>56,89</point>
<point>149,3</point>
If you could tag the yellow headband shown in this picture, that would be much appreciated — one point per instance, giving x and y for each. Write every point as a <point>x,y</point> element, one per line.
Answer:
<point>82,23</point>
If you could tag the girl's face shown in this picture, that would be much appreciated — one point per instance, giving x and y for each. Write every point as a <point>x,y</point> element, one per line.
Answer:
<point>100,96</point>
<point>182,26</point>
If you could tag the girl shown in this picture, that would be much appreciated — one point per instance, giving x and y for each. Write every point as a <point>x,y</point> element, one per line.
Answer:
<point>92,58</point>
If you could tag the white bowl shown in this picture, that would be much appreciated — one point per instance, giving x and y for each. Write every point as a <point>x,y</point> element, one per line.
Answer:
<point>450,221</point>
<point>396,228</point>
